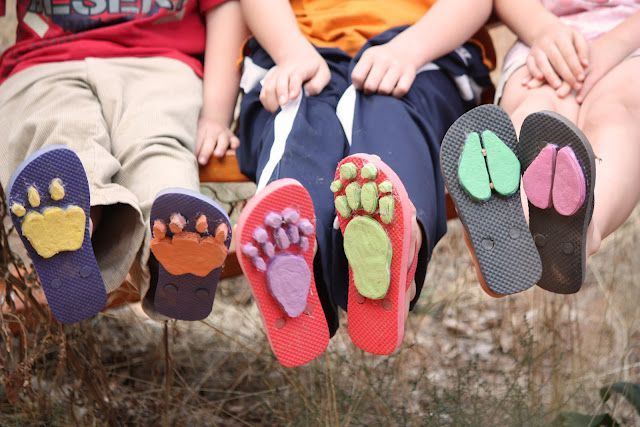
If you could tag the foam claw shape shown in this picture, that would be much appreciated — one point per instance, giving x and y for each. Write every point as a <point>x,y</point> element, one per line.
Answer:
<point>202,225</point>
<point>250,250</point>
<point>159,229</point>
<point>56,189</point>
<point>305,227</point>
<point>304,243</point>
<point>353,191</point>
<point>387,209</point>
<point>282,239</point>
<point>290,216</point>
<point>269,249</point>
<point>369,195</point>
<point>537,180</point>
<point>294,235</point>
<point>33,196</point>
<point>18,210</point>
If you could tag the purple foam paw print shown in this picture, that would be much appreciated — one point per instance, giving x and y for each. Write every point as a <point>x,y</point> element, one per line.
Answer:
<point>278,250</point>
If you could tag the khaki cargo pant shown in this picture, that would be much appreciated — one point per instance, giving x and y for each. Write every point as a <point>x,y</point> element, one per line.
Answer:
<point>132,122</point>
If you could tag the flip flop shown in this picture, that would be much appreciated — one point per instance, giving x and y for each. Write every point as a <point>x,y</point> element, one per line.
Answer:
<point>191,238</point>
<point>482,175</point>
<point>375,219</point>
<point>49,201</point>
<point>276,251</point>
<point>559,180</point>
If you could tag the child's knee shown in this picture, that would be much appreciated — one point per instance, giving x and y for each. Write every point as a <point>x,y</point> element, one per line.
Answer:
<point>385,103</point>
<point>543,99</point>
<point>608,112</point>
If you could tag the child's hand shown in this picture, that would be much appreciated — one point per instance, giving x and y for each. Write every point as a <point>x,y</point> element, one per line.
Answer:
<point>387,69</point>
<point>214,139</point>
<point>532,83</point>
<point>606,53</point>
<point>283,83</point>
<point>560,55</point>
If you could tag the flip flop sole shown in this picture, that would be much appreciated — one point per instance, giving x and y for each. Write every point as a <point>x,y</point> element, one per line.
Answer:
<point>375,219</point>
<point>50,203</point>
<point>191,261</point>
<point>561,240</point>
<point>497,229</point>
<point>276,232</point>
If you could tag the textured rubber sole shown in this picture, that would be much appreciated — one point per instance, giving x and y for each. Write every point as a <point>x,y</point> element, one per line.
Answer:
<point>377,326</point>
<point>561,240</point>
<point>71,279</point>
<point>188,296</point>
<point>507,256</point>
<point>295,341</point>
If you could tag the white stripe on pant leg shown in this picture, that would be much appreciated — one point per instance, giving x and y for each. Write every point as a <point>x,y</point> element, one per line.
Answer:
<point>282,126</point>
<point>252,75</point>
<point>346,110</point>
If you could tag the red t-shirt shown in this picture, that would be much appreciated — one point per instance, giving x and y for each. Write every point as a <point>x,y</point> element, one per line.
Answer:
<point>65,30</point>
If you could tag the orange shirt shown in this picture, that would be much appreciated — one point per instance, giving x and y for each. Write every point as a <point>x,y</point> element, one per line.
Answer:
<point>348,24</point>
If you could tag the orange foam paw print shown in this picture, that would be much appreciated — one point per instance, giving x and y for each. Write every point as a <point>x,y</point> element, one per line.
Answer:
<point>186,252</point>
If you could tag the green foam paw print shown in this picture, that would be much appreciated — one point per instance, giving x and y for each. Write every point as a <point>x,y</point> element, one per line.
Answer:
<point>366,243</point>
<point>488,163</point>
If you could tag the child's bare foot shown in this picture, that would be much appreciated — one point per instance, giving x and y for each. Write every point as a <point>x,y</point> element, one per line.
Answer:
<point>594,239</point>
<point>416,244</point>
<point>95,215</point>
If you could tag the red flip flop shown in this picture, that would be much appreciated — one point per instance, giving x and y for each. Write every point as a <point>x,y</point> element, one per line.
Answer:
<point>374,212</point>
<point>276,249</point>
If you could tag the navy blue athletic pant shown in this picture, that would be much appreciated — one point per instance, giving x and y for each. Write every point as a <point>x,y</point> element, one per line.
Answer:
<point>306,139</point>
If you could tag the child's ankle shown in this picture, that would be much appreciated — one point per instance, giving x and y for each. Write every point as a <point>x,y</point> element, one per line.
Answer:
<point>594,239</point>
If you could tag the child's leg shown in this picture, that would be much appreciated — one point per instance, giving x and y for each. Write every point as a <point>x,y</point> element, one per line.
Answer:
<point>519,101</point>
<point>55,104</point>
<point>609,117</point>
<point>305,142</point>
<point>408,141</point>
<point>151,106</point>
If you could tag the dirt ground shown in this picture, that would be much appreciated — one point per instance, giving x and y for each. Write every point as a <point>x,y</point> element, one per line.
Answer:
<point>467,359</point>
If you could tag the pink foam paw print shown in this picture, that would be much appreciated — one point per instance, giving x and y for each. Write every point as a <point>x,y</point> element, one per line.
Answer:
<point>555,179</point>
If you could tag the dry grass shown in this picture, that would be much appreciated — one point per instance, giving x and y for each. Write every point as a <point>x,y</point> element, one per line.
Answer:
<point>467,359</point>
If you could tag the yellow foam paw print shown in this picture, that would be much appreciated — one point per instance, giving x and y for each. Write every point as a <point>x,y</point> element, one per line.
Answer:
<point>55,229</point>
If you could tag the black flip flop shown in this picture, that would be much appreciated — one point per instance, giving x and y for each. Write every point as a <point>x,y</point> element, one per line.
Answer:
<point>482,176</point>
<point>561,238</point>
